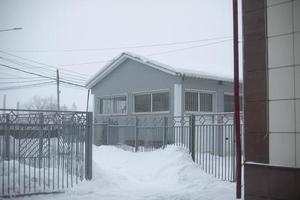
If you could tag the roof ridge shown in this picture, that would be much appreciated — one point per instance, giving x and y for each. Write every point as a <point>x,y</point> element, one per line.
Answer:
<point>153,63</point>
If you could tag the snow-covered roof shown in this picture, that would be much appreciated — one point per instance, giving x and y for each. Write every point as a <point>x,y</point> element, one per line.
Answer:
<point>114,63</point>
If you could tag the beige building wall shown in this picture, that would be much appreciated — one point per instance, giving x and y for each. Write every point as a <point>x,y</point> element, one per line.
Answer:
<point>283,33</point>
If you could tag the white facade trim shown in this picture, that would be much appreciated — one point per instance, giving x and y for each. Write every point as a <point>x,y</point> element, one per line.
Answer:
<point>177,99</point>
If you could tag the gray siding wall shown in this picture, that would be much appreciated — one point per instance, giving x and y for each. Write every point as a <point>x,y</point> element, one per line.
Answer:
<point>134,77</point>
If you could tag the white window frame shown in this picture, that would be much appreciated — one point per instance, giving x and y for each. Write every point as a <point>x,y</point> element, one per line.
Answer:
<point>112,96</point>
<point>150,92</point>
<point>214,100</point>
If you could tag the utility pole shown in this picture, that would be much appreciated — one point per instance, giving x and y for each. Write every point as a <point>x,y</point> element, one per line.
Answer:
<point>4,103</point>
<point>57,88</point>
<point>237,100</point>
<point>18,107</point>
<point>87,101</point>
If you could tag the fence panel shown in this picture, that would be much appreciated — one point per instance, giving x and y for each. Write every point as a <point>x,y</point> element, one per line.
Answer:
<point>210,138</point>
<point>43,151</point>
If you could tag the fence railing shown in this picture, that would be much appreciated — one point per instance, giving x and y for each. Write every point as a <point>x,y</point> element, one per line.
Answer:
<point>43,151</point>
<point>210,138</point>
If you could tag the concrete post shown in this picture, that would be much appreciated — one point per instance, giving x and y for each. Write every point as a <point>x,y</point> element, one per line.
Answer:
<point>89,146</point>
<point>192,136</point>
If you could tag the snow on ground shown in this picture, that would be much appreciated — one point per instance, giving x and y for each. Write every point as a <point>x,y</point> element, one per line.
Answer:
<point>157,175</point>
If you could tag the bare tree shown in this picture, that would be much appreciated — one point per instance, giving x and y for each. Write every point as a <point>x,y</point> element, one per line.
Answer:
<point>74,107</point>
<point>46,103</point>
<point>40,103</point>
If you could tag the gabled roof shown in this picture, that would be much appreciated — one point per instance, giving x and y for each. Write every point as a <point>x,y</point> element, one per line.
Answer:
<point>114,63</point>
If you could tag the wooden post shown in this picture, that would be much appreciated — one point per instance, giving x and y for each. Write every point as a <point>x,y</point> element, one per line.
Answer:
<point>4,103</point>
<point>87,101</point>
<point>57,90</point>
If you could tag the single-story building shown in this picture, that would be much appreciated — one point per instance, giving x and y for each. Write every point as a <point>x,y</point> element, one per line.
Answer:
<point>132,85</point>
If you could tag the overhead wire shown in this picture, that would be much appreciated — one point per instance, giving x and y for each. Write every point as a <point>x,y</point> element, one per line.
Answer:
<point>152,54</point>
<point>21,82</point>
<point>40,75</point>
<point>47,74</point>
<point>122,47</point>
<point>78,78</point>
<point>43,64</point>
<point>187,48</point>
<point>28,85</point>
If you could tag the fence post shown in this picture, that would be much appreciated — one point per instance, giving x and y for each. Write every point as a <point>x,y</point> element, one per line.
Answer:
<point>88,146</point>
<point>7,138</point>
<point>165,142</point>
<point>192,138</point>
<point>107,131</point>
<point>136,134</point>
<point>41,122</point>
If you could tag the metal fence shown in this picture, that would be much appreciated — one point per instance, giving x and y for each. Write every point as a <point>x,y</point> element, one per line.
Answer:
<point>210,138</point>
<point>43,151</point>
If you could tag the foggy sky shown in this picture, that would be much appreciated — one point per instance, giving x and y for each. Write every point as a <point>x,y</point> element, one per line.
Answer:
<point>76,24</point>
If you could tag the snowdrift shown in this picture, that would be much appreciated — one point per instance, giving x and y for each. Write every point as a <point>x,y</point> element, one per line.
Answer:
<point>166,173</point>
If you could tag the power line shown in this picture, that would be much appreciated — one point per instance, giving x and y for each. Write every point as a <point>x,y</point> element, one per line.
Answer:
<point>26,81</point>
<point>43,64</point>
<point>71,86</point>
<point>123,47</point>
<point>187,48</point>
<point>27,86</point>
<point>33,66</point>
<point>153,54</point>
<point>77,80</point>
<point>27,66</point>
<point>15,77</point>
<point>40,75</point>
<point>87,63</point>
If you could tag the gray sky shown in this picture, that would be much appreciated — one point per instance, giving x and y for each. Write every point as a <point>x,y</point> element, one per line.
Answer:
<point>52,26</point>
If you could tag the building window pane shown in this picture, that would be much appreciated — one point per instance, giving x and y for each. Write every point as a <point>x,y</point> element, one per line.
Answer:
<point>105,106</point>
<point>113,105</point>
<point>120,105</point>
<point>229,103</point>
<point>142,103</point>
<point>206,102</point>
<point>191,101</point>
<point>160,102</point>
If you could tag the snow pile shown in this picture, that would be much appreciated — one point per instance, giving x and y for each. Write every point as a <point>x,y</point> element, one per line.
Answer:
<point>161,174</point>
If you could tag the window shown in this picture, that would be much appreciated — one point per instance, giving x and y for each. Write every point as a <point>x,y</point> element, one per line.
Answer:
<point>206,102</point>
<point>113,105</point>
<point>153,102</point>
<point>191,101</point>
<point>142,103</point>
<point>160,102</point>
<point>198,102</point>
<point>229,103</point>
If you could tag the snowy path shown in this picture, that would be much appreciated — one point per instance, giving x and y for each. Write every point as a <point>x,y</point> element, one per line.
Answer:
<point>159,175</point>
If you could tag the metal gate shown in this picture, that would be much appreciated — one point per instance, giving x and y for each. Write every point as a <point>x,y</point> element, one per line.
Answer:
<point>43,151</point>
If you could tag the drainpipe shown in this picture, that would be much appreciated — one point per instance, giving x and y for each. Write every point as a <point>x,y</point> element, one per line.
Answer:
<point>237,99</point>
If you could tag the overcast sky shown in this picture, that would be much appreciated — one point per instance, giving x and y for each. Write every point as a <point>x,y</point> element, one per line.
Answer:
<point>52,27</point>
